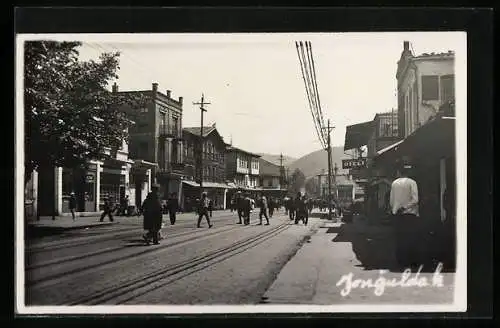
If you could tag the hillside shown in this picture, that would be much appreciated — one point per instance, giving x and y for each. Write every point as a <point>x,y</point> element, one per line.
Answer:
<point>275,159</point>
<point>313,163</point>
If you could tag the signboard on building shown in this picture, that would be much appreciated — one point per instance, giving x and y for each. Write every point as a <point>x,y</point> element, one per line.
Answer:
<point>89,178</point>
<point>354,163</point>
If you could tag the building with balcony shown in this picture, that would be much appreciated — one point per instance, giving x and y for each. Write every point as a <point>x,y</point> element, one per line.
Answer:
<point>157,136</point>
<point>270,179</point>
<point>242,168</point>
<point>211,147</point>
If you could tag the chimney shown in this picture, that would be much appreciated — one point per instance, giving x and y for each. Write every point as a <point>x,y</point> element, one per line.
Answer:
<point>155,87</point>
<point>406,46</point>
<point>115,87</point>
<point>169,93</point>
<point>180,100</point>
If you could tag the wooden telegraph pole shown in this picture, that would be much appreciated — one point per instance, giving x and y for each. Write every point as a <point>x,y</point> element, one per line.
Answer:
<point>329,151</point>
<point>202,110</point>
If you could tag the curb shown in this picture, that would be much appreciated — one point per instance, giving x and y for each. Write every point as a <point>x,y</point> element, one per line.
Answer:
<point>58,228</point>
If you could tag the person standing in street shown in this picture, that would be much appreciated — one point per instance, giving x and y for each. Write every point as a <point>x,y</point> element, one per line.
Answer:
<point>263,209</point>
<point>210,207</point>
<point>108,210</point>
<point>173,207</point>
<point>247,209</point>
<point>72,204</point>
<point>291,209</point>
<point>203,210</point>
<point>408,225</point>
<point>272,205</point>
<point>240,206</point>
<point>153,215</point>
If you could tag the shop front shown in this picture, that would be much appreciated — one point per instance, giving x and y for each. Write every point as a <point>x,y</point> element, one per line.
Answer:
<point>431,152</point>
<point>83,183</point>
<point>114,181</point>
<point>191,192</point>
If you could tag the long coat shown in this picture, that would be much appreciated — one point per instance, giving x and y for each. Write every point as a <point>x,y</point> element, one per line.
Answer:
<point>152,210</point>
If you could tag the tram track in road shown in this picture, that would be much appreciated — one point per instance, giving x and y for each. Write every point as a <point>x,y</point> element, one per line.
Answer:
<point>53,279</point>
<point>136,287</point>
<point>85,240</point>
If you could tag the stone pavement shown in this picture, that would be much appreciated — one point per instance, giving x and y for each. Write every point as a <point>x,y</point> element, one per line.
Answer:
<point>359,256</point>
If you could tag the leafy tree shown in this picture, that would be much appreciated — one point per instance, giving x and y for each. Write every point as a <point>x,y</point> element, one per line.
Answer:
<point>297,182</point>
<point>70,116</point>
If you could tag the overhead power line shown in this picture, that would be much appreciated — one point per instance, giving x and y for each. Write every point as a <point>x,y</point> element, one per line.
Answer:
<point>305,77</point>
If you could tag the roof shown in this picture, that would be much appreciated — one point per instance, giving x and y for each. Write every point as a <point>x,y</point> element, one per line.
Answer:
<point>394,145</point>
<point>236,149</point>
<point>357,135</point>
<point>196,130</point>
<point>267,168</point>
<point>208,184</point>
<point>448,54</point>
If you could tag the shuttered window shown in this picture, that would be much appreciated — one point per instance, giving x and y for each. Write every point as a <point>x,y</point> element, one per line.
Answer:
<point>430,87</point>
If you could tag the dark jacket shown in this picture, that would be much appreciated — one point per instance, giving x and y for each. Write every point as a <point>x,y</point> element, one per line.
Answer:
<point>72,202</point>
<point>152,211</point>
<point>173,205</point>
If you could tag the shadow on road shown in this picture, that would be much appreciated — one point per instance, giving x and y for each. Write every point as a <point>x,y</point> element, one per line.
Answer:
<point>374,247</point>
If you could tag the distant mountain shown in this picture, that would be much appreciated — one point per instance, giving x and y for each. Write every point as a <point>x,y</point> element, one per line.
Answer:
<point>275,159</point>
<point>314,163</point>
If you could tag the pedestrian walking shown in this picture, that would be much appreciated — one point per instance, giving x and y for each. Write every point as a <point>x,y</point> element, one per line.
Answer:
<point>72,204</point>
<point>153,215</point>
<point>408,225</point>
<point>210,207</point>
<point>272,205</point>
<point>301,209</point>
<point>247,209</point>
<point>292,208</point>
<point>263,210</point>
<point>240,206</point>
<point>203,210</point>
<point>108,210</point>
<point>173,207</point>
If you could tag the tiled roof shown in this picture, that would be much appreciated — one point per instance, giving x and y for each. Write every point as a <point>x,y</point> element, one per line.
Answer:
<point>450,53</point>
<point>196,131</point>
<point>233,148</point>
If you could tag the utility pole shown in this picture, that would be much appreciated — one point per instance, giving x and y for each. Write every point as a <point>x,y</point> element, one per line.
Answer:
<point>329,151</point>
<point>202,110</point>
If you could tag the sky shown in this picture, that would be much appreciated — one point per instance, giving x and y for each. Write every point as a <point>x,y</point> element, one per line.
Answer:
<point>254,82</point>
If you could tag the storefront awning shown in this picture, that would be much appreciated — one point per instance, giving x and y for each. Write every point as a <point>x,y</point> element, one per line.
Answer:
<point>207,184</point>
<point>436,138</point>
<point>358,135</point>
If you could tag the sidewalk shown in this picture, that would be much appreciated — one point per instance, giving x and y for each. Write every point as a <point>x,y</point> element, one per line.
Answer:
<point>62,223</point>
<point>339,254</point>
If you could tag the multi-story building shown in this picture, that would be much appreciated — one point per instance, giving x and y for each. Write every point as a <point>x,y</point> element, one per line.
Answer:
<point>242,167</point>
<point>425,83</point>
<point>157,136</point>
<point>214,175</point>
<point>426,126</point>
<point>271,178</point>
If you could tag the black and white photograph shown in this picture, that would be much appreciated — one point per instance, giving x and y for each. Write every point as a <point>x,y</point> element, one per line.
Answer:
<point>241,172</point>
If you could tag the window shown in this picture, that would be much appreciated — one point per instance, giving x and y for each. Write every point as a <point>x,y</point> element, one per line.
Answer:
<point>430,87</point>
<point>144,110</point>
<point>175,125</point>
<point>447,88</point>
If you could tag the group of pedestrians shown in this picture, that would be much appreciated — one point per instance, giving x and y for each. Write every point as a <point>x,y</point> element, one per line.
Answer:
<point>244,205</point>
<point>299,208</point>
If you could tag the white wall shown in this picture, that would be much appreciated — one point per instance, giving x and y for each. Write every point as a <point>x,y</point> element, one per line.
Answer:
<point>431,67</point>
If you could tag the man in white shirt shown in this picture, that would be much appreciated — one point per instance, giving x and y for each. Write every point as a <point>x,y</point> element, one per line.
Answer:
<point>408,225</point>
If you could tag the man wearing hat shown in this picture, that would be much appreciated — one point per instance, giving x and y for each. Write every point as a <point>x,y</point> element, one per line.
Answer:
<point>108,209</point>
<point>153,215</point>
<point>203,210</point>
<point>240,206</point>
<point>404,208</point>
<point>72,204</point>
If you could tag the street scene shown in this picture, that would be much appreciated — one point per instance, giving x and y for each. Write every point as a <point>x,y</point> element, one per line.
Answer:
<point>279,169</point>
